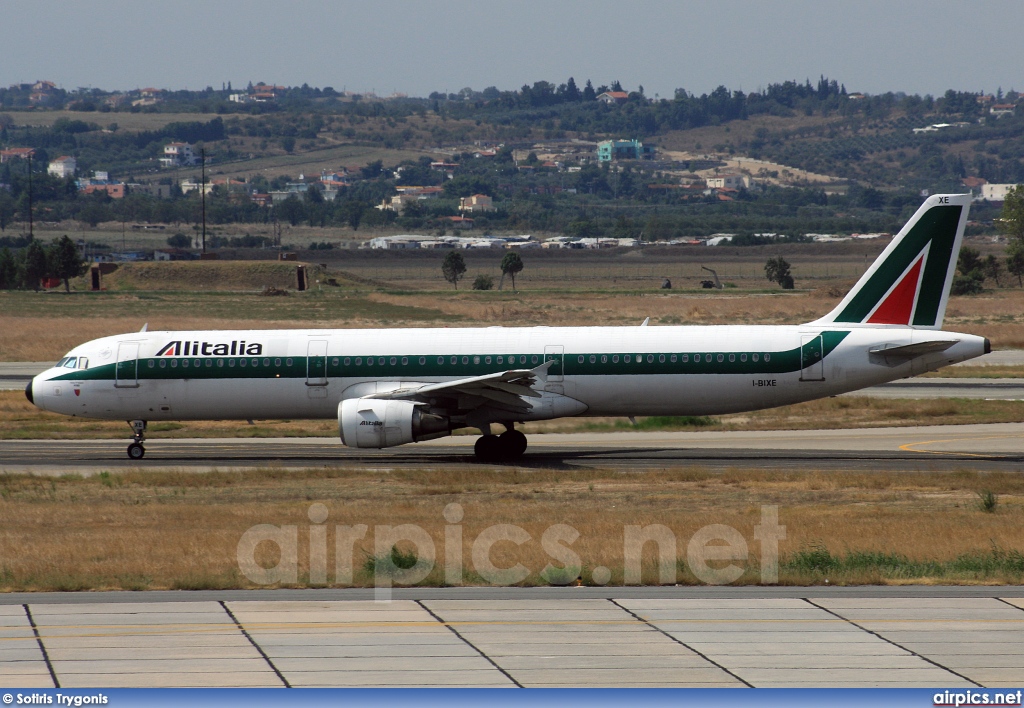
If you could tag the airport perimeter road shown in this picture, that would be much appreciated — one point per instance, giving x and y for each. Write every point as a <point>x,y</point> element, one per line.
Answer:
<point>805,637</point>
<point>996,447</point>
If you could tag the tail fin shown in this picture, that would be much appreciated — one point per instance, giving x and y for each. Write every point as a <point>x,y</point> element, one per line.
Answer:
<point>909,283</point>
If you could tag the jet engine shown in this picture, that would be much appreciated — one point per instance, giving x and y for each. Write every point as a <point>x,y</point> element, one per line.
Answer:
<point>377,423</point>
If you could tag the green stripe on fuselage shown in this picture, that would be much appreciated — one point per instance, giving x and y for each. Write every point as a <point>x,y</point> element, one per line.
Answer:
<point>460,366</point>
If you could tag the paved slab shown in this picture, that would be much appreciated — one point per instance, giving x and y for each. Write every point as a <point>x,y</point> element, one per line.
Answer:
<point>955,633</point>
<point>362,643</point>
<point>540,643</point>
<point>150,644</point>
<point>726,631</point>
<point>21,658</point>
<point>829,637</point>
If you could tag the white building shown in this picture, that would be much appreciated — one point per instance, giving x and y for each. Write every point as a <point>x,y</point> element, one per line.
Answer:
<point>995,192</point>
<point>728,182</point>
<point>178,155</point>
<point>63,167</point>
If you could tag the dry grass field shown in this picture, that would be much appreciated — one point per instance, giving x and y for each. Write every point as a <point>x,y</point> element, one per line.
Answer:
<point>150,530</point>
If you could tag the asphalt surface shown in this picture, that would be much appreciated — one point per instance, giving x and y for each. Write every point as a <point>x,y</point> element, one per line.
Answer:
<point>995,447</point>
<point>518,638</point>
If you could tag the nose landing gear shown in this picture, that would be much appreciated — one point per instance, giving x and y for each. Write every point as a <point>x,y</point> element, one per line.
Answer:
<point>136,451</point>
<point>506,447</point>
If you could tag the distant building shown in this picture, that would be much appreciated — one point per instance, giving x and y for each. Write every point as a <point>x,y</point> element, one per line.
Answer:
<point>613,97</point>
<point>995,192</point>
<point>114,191</point>
<point>728,182</point>
<point>476,203</point>
<point>63,167</point>
<point>178,155</point>
<point>609,150</point>
<point>20,153</point>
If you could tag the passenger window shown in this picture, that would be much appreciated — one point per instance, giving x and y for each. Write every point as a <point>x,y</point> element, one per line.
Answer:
<point>501,359</point>
<point>534,360</point>
<point>743,357</point>
<point>755,357</point>
<point>685,358</point>
<point>423,360</point>
<point>151,364</point>
<point>604,358</point>
<point>767,357</point>
<point>661,359</point>
<point>288,362</point>
<point>593,359</point>
<point>393,361</point>
<point>615,359</point>
<point>487,360</point>
<point>348,360</point>
<point>673,358</point>
<point>277,362</point>
<point>163,363</point>
<point>476,360</point>
<point>440,360</point>
<point>732,357</point>
<point>405,360</point>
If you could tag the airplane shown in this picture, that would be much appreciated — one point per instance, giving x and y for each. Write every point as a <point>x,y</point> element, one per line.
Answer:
<point>389,387</point>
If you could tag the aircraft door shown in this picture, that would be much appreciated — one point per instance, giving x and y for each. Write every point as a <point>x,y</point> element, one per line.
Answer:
<point>126,371</point>
<point>555,353</point>
<point>316,363</point>
<point>812,359</point>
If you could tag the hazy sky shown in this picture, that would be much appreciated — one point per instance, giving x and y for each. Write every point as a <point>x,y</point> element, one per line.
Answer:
<point>419,46</point>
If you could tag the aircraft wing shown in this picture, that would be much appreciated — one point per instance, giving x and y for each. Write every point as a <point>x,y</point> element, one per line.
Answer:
<point>504,390</point>
<point>910,351</point>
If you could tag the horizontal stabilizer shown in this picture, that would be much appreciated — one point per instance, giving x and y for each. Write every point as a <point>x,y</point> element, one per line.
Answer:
<point>912,351</point>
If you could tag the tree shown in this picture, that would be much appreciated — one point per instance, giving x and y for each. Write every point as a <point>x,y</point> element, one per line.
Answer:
<point>483,282</point>
<point>1015,262</point>
<point>66,260</point>
<point>453,268</point>
<point>777,271</point>
<point>970,276</point>
<point>993,269</point>
<point>36,266</point>
<point>8,209</point>
<point>179,240</point>
<point>1012,221</point>
<point>8,270</point>
<point>511,264</point>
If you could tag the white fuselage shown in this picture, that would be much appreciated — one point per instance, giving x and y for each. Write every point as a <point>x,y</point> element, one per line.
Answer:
<point>223,375</point>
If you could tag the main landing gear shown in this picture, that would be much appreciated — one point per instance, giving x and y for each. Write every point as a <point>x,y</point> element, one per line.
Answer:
<point>136,451</point>
<point>508,446</point>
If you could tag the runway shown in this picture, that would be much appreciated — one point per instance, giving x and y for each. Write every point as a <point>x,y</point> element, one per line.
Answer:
<point>995,447</point>
<point>512,637</point>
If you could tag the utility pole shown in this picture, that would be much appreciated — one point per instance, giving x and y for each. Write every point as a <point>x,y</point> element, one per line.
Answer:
<point>202,154</point>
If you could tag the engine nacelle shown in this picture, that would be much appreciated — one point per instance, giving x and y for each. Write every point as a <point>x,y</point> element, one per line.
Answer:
<point>377,423</point>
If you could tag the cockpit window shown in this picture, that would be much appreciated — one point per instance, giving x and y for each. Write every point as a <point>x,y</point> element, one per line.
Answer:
<point>60,363</point>
<point>69,363</point>
<point>83,362</point>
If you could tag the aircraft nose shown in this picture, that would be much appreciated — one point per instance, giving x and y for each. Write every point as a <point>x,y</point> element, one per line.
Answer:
<point>28,392</point>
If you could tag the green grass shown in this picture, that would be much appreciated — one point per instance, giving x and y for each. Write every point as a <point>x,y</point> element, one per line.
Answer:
<point>658,422</point>
<point>816,564</point>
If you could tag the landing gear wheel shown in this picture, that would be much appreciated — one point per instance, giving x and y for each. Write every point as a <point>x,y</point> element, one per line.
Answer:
<point>135,450</point>
<point>498,448</point>
<point>488,448</point>
<point>514,444</point>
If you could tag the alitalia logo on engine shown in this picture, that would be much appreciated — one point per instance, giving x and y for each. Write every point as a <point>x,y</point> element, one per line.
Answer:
<point>189,348</point>
<point>370,422</point>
